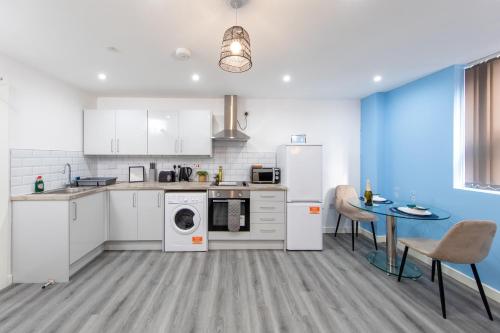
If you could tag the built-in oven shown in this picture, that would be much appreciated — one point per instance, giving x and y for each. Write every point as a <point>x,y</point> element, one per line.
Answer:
<point>221,208</point>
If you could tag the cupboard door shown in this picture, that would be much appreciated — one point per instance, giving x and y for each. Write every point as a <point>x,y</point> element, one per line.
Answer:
<point>123,215</point>
<point>131,132</point>
<point>163,133</point>
<point>195,132</point>
<point>86,225</point>
<point>99,132</point>
<point>150,220</point>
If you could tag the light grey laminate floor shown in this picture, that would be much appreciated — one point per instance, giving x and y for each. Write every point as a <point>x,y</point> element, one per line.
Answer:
<point>242,291</point>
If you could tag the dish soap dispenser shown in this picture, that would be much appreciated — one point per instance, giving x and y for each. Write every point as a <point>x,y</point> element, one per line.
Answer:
<point>368,194</point>
<point>39,185</point>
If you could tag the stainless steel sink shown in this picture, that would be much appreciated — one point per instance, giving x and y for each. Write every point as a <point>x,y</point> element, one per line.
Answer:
<point>67,190</point>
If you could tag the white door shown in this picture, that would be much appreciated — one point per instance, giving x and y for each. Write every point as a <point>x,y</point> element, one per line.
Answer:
<point>150,220</point>
<point>304,174</point>
<point>123,215</point>
<point>304,229</point>
<point>163,132</point>
<point>131,132</point>
<point>5,229</point>
<point>99,132</point>
<point>86,225</point>
<point>195,132</point>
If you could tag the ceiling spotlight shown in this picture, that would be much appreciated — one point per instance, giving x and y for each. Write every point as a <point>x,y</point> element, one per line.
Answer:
<point>102,76</point>
<point>377,78</point>
<point>195,77</point>
<point>287,78</point>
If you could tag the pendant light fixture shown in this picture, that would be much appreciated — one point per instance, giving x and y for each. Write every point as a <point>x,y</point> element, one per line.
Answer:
<point>235,53</point>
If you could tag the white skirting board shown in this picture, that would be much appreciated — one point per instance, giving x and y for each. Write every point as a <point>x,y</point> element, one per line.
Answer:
<point>82,262</point>
<point>464,279</point>
<point>245,245</point>
<point>132,245</point>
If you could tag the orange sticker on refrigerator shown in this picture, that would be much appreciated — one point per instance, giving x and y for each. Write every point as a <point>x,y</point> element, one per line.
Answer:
<point>197,239</point>
<point>314,209</point>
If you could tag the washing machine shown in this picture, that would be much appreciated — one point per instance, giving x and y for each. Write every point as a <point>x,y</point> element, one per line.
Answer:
<point>185,222</point>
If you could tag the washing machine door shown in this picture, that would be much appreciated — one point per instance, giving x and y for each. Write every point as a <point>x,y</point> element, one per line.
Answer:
<point>185,219</point>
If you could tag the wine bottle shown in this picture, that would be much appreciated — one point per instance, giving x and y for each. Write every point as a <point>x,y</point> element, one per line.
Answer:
<point>368,194</point>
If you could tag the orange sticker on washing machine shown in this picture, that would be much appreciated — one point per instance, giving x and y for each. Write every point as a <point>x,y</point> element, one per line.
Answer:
<point>197,239</point>
<point>314,209</point>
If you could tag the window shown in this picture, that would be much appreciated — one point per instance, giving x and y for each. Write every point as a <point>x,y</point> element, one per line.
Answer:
<point>482,125</point>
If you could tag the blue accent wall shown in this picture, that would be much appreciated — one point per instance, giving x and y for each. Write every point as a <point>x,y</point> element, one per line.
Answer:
<point>407,148</point>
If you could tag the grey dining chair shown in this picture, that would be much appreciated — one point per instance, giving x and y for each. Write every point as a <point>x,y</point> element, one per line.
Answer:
<point>467,242</point>
<point>344,193</point>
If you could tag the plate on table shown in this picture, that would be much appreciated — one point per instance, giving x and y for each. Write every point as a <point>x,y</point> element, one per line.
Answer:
<point>378,199</point>
<point>414,211</point>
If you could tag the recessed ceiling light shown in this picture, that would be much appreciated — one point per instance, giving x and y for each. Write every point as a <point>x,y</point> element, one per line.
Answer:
<point>101,76</point>
<point>287,78</point>
<point>377,78</point>
<point>195,77</point>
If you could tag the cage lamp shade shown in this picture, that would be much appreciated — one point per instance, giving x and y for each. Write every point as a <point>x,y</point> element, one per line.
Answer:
<point>235,54</point>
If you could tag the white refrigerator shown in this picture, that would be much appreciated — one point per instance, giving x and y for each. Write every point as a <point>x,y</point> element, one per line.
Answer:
<point>302,173</point>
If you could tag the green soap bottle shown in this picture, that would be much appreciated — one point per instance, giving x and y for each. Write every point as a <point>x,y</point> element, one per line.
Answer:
<point>39,185</point>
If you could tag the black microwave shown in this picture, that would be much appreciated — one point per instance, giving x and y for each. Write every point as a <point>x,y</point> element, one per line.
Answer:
<point>266,175</point>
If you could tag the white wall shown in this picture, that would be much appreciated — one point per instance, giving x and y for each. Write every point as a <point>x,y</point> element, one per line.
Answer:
<point>333,123</point>
<point>42,113</point>
<point>45,113</point>
<point>4,188</point>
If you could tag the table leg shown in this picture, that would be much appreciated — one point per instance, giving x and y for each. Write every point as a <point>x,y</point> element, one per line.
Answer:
<point>388,261</point>
<point>392,240</point>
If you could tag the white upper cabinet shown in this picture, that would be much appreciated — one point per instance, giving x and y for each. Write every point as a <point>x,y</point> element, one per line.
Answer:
<point>185,132</point>
<point>142,132</point>
<point>99,132</point>
<point>115,132</point>
<point>195,132</point>
<point>163,132</point>
<point>131,132</point>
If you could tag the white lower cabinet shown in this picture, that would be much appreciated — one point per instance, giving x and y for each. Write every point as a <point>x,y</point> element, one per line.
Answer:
<point>123,215</point>
<point>136,215</point>
<point>267,215</point>
<point>86,225</point>
<point>268,231</point>
<point>48,237</point>
<point>150,215</point>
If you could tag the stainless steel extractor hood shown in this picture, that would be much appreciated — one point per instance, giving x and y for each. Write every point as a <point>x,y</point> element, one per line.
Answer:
<point>230,131</point>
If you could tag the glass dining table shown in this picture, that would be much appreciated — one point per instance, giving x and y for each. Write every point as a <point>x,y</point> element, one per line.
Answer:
<point>388,261</point>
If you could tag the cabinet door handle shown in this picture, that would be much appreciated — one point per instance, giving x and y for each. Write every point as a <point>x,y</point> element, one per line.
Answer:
<point>117,145</point>
<point>176,144</point>
<point>133,200</point>
<point>268,231</point>
<point>267,207</point>
<point>267,196</point>
<point>74,211</point>
<point>181,147</point>
<point>112,150</point>
<point>159,200</point>
<point>268,219</point>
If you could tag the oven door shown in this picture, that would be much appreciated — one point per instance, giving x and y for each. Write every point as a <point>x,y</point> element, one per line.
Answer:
<point>218,214</point>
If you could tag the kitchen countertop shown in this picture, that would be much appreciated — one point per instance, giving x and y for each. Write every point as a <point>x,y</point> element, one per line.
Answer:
<point>123,186</point>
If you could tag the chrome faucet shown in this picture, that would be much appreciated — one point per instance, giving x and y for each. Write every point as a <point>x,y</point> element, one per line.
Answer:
<point>69,173</point>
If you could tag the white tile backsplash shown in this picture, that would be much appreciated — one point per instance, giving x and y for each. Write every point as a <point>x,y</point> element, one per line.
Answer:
<point>232,156</point>
<point>27,164</point>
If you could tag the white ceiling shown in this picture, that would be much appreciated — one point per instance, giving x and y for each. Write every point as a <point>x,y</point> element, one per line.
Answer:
<point>331,48</point>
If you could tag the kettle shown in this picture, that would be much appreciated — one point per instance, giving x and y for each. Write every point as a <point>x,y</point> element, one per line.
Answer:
<point>185,173</point>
